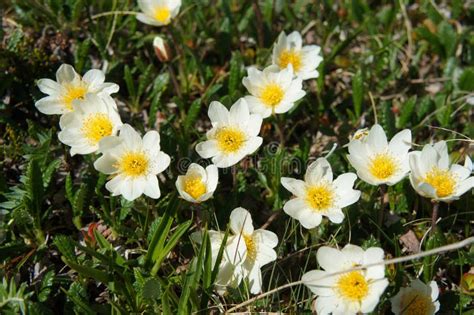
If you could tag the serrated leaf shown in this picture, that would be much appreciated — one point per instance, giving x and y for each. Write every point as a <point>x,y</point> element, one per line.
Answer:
<point>151,289</point>
<point>357,93</point>
<point>406,112</point>
<point>192,114</point>
<point>66,247</point>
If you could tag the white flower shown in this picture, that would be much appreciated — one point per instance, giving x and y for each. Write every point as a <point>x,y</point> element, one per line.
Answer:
<point>158,12</point>
<point>233,134</point>
<point>433,177</point>
<point>92,119</point>
<point>319,195</point>
<point>417,299</point>
<point>161,49</point>
<point>133,163</point>
<point>247,250</point>
<point>378,162</point>
<point>304,59</point>
<point>351,292</point>
<point>272,90</point>
<point>69,86</point>
<point>198,184</point>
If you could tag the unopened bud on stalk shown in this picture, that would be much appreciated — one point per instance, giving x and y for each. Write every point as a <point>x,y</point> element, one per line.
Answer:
<point>162,50</point>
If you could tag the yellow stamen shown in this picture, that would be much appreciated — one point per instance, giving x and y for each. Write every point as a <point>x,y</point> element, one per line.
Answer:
<point>251,247</point>
<point>353,286</point>
<point>74,92</point>
<point>416,303</point>
<point>443,181</point>
<point>271,95</point>
<point>290,56</point>
<point>229,139</point>
<point>383,165</point>
<point>162,14</point>
<point>320,197</point>
<point>194,186</point>
<point>96,126</point>
<point>133,164</point>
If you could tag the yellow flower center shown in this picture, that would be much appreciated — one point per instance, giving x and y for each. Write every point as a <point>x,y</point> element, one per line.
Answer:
<point>271,95</point>
<point>320,197</point>
<point>230,140</point>
<point>353,286</point>
<point>383,165</point>
<point>133,164</point>
<point>290,56</point>
<point>74,92</point>
<point>96,126</point>
<point>416,303</point>
<point>251,247</point>
<point>443,181</point>
<point>194,186</point>
<point>162,14</point>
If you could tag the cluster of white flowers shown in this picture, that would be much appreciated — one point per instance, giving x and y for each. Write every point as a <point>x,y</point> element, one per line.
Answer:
<point>90,123</point>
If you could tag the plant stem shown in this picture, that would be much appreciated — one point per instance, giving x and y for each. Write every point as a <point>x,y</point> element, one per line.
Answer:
<point>434,216</point>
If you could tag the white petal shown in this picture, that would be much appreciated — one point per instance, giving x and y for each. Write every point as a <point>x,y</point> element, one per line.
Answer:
<point>207,149</point>
<point>105,164</point>
<point>94,77</point>
<point>336,216</point>
<point>268,238</point>
<point>252,145</point>
<point>48,86</point>
<point>151,142</point>
<point>239,113</point>
<point>131,189</point>
<point>65,74</point>
<point>163,160</point>
<point>401,143</point>
<point>354,254</point>
<point>294,207</point>
<point>461,172</point>
<point>212,178</point>
<point>131,138</point>
<point>465,185</point>
<point>147,19</point>
<point>50,105</point>
<point>295,186</point>
<point>318,170</point>
<point>255,280</point>
<point>376,139</point>
<point>254,124</point>
<point>309,219</point>
<point>152,188</point>
<point>330,259</point>
<point>218,113</point>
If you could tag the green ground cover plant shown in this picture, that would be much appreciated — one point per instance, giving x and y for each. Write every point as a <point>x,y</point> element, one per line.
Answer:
<point>145,195</point>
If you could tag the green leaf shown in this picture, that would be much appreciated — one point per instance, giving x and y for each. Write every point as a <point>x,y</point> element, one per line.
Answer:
<point>129,82</point>
<point>34,186</point>
<point>151,289</point>
<point>192,277</point>
<point>406,112</point>
<point>88,272</point>
<point>46,284</point>
<point>192,114</point>
<point>466,80</point>
<point>234,73</point>
<point>66,247</point>
<point>358,92</point>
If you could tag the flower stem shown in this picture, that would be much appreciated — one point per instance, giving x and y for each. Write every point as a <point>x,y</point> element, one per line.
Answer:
<point>434,217</point>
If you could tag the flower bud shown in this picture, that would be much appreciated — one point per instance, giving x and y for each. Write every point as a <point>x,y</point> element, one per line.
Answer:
<point>162,49</point>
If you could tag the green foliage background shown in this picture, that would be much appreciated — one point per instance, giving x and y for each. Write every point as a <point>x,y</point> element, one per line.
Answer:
<point>406,64</point>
